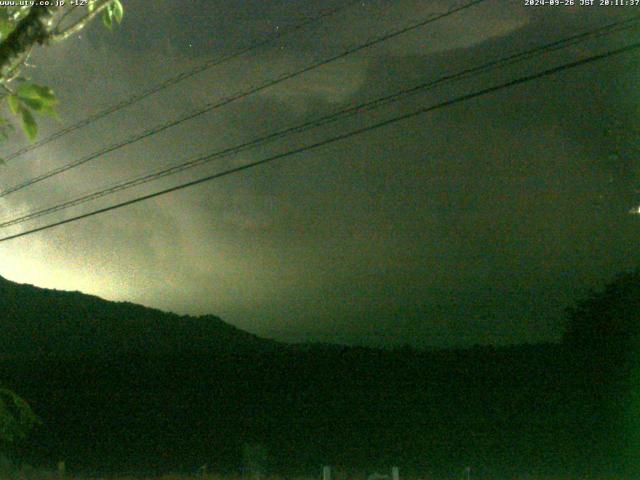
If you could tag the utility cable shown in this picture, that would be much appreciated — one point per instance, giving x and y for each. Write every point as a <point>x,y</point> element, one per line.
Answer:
<point>133,99</point>
<point>344,136</point>
<point>215,105</point>
<point>331,118</point>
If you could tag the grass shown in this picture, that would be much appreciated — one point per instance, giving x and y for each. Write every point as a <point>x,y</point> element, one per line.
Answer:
<point>37,474</point>
<point>9,472</point>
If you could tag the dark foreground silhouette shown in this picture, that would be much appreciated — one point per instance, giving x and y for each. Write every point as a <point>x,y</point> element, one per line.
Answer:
<point>123,388</point>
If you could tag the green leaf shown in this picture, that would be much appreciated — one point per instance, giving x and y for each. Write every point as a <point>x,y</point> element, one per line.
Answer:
<point>31,91</point>
<point>107,17</point>
<point>29,123</point>
<point>6,28</point>
<point>49,111</point>
<point>14,104</point>
<point>118,10</point>
<point>33,104</point>
<point>6,25</point>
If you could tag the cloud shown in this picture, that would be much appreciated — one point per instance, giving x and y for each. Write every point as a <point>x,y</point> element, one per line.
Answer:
<point>333,83</point>
<point>464,29</point>
<point>395,234</point>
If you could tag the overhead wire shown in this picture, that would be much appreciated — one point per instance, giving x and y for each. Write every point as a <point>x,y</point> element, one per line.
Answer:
<point>218,104</point>
<point>608,29</point>
<point>169,82</point>
<point>336,138</point>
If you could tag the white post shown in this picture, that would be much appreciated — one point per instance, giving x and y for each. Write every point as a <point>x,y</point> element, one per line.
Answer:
<point>61,469</point>
<point>395,473</point>
<point>326,472</point>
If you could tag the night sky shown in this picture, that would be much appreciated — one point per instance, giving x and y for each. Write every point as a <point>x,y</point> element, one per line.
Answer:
<point>477,223</point>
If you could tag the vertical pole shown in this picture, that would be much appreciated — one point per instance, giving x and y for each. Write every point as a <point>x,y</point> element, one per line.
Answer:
<point>395,473</point>
<point>61,469</point>
<point>326,472</point>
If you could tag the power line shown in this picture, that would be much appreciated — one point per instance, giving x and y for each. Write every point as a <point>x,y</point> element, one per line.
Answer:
<point>133,99</point>
<point>613,27</point>
<point>313,146</point>
<point>211,106</point>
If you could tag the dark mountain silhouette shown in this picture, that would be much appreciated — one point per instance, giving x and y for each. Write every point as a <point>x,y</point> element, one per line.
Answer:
<point>123,388</point>
<point>41,321</point>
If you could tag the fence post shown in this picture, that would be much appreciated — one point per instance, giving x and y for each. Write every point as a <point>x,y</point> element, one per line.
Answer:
<point>395,473</point>
<point>326,472</point>
<point>61,469</point>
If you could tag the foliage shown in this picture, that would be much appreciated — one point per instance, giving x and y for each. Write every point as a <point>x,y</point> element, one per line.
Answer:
<point>184,391</point>
<point>603,339</point>
<point>114,11</point>
<point>605,326</point>
<point>16,419</point>
<point>29,98</point>
<point>26,100</point>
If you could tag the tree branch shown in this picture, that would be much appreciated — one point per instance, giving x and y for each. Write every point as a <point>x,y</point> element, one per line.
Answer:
<point>32,29</point>
<point>20,13</point>
<point>58,35</point>
<point>63,17</point>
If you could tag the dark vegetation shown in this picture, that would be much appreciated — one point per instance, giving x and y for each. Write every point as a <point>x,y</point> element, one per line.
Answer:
<point>122,388</point>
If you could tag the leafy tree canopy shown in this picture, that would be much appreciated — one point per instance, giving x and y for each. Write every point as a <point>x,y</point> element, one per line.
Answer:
<point>21,29</point>
<point>16,419</point>
<point>608,319</point>
<point>603,331</point>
